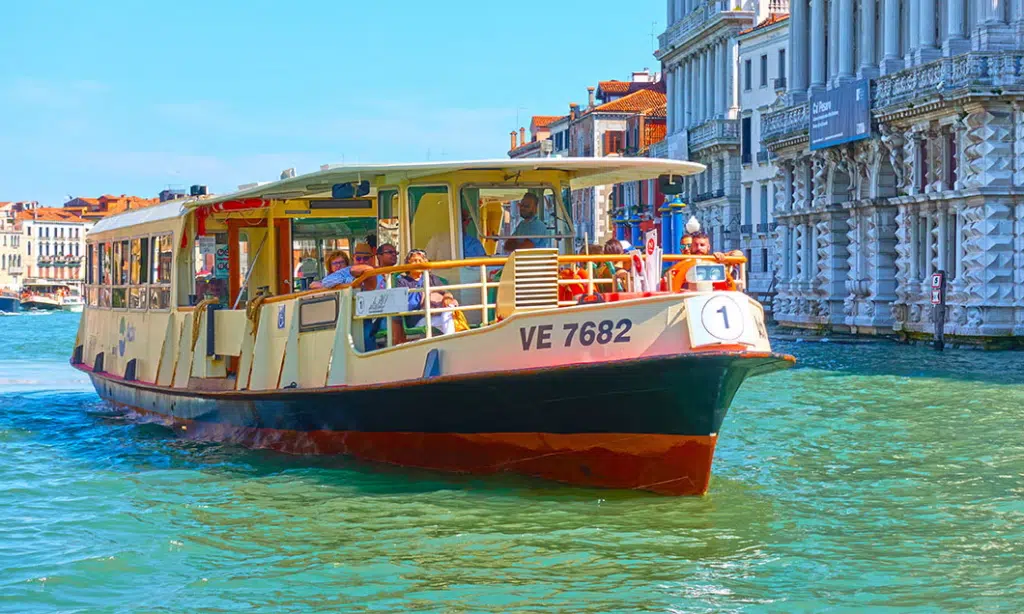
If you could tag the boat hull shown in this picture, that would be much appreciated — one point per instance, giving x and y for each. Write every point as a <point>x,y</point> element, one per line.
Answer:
<point>10,304</point>
<point>649,424</point>
<point>40,304</point>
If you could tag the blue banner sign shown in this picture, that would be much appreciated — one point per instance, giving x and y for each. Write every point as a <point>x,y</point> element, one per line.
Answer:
<point>841,115</point>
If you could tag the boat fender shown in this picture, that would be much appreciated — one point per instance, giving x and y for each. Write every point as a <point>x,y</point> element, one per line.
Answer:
<point>432,365</point>
<point>587,299</point>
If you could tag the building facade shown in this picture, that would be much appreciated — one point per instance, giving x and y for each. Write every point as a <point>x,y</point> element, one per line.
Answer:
<point>936,187</point>
<point>597,129</point>
<point>763,64</point>
<point>11,252</point>
<point>700,56</point>
<point>53,240</point>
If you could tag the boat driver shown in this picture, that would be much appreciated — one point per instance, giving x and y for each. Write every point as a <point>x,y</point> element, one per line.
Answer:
<point>700,245</point>
<point>531,225</point>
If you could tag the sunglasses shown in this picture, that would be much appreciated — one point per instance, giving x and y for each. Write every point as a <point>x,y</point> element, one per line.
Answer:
<point>335,263</point>
<point>363,258</point>
<point>387,251</point>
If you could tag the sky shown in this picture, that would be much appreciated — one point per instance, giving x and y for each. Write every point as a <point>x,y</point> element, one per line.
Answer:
<point>133,97</point>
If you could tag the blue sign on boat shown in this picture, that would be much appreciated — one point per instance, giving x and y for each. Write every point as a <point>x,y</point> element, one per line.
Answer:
<point>841,115</point>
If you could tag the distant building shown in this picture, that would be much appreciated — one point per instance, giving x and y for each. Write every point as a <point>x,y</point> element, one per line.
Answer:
<point>95,209</point>
<point>11,252</point>
<point>53,240</point>
<point>599,129</point>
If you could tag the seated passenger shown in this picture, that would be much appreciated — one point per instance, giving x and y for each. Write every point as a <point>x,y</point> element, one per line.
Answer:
<point>617,271</point>
<point>364,261</point>
<point>387,255</point>
<point>471,245</point>
<point>700,245</point>
<point>531,226</point>
<point>445,322</point>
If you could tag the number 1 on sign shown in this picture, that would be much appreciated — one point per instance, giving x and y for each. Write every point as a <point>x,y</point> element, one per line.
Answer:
<point>725,316</point>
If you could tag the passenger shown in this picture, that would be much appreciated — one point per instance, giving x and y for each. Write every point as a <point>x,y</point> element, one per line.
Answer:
<point>617,271</point>
<point>700,245</point>
<point>471,245</point>
<point>570,292</point>
<point>445,322</point>
<point>335,261</point>
<point>531,225</point>
<point>387,255</point>
<point>364,261</point>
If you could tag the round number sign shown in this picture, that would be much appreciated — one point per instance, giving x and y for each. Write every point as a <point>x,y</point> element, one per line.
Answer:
<point>722,318</point>
<point>650,246</point>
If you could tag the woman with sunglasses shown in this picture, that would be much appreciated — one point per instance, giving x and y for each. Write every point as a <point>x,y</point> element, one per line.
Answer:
<point>364,261</point>
<point>444,322</point>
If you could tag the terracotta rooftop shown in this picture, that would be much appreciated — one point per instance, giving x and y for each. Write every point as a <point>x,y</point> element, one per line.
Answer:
<point>620,88</point>
<point>542,121</point>
<point>772,19</point>
<point>49,214</point>
<point>637,102</point>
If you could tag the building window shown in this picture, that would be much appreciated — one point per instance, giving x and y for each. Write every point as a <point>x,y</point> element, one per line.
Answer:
<point>29,246</point>
<point>764,71</point>
<point>745,143</point>
<point>782,64</point>
<point>748,205</point>
<point>764,259</point>
<point>747,78</point>
<point>951,160</point>
<point>764,203</point>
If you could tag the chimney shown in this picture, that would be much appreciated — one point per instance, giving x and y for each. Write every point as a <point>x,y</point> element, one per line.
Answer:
<point>512,144</point>
<point>522,136</point>
<point>574,111</point>
<point>590,97</point>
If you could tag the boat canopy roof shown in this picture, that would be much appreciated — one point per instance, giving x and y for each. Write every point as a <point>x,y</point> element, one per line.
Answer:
<point>134,217</point>
<point>579,173</point>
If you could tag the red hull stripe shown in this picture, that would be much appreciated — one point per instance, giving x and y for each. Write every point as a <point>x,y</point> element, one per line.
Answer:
<point>665,464</point>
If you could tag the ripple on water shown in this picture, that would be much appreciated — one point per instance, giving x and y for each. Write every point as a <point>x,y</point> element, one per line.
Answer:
<point>871,477</point>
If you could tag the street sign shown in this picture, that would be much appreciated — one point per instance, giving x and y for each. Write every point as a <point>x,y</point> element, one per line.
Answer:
<point>650,241</point>
<point>937,288</point>
<point>841,115</point>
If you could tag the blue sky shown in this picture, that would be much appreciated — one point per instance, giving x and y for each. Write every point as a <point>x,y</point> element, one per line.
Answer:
<point>130,97</point>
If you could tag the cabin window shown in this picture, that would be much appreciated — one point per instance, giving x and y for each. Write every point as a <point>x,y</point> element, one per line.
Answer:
<point>314,239</point>
<point>500,217</point>
<point>211,267</point>
<point>429,208</point>
<point>138,294</point>
<point>105,265</point>
<point>90,274</point>
<point>119,293</point>
<point>162,250</point>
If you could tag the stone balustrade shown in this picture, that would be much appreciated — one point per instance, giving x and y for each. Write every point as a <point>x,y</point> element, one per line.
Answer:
<point>714,132</point>
<point>995,70</point>
<point>780,124</point>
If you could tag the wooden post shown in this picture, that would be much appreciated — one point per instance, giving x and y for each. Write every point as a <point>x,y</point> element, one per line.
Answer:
<point>939,308</point>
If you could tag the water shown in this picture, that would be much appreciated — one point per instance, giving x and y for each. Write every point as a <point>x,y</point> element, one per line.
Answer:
<point>874,476</point>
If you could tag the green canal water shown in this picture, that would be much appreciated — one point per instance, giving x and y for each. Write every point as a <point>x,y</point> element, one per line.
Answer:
<point>874,477</point>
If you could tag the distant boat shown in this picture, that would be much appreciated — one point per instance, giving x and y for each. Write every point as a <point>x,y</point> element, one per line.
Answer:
<point>9,302</point>
<point>46,296</point>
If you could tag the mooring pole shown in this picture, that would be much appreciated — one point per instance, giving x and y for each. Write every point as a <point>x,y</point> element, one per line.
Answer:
<point>939,308</point>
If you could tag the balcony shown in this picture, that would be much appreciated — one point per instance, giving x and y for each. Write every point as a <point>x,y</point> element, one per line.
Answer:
<point>15,270</point>
<point>766,227</point>
<point>658,150</point>
<point>990,72</point>
<point>790,124</point>
<point>702,18</point>
<point>714,132</point>
<point>762,156</point>
<point>780,84</point>
<point>745,229</point>
<point>709,195</point>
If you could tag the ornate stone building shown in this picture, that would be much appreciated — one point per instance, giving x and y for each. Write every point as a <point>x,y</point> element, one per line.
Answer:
<point>862,226</point>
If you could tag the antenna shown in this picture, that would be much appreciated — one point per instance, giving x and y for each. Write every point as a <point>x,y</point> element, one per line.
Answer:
<point>654,27</point>
<point>518,109</point>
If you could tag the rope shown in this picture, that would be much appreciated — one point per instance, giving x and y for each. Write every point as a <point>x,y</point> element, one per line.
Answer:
<point>253,309</point>
<point>197,315</point>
